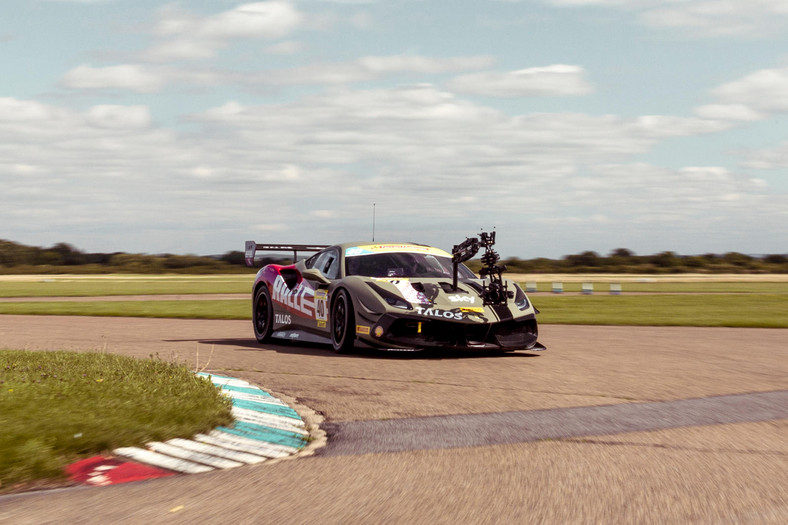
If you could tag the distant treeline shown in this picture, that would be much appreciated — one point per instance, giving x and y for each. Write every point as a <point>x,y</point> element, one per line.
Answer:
<point>622,260</point>
<point>63,258</point>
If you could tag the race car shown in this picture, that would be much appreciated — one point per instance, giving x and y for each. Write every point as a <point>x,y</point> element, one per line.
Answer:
<point>393,296</point>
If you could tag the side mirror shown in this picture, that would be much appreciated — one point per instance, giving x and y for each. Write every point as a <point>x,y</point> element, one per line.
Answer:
<point>314,275</point>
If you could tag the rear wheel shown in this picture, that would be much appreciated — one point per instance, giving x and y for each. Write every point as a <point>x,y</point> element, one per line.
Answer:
<point>262,314</point>
<point>343,322</point>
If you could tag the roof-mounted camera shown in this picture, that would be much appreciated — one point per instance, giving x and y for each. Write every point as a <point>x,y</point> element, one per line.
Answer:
<point>495,292</point>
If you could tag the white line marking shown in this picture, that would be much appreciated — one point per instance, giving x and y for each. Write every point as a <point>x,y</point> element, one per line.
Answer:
<point>268,420</point>
<point>190,455</point>
<point>219,451</point>
<point>160,460</point>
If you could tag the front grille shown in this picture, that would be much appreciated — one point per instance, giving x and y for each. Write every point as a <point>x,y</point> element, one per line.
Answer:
<point>434,332</point>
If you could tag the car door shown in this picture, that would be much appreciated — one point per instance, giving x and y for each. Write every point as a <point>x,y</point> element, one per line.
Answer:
<point>327,263</point>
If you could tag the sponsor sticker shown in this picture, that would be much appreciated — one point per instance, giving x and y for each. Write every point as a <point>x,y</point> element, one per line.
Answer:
<point>441,314</point>
<point>369,249</point>
<point>360,329</point>
<point>462,299</point>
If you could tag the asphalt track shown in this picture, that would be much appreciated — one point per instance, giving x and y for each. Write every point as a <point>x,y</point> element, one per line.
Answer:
<point>475,430</point>
<point>610,425</point>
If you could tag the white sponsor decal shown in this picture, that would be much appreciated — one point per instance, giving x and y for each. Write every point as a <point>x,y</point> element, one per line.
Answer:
<point>462,299</point>
<point>298,299</point>
<point>410,294</point>
<point>434,312</point>
<point>282,318</point>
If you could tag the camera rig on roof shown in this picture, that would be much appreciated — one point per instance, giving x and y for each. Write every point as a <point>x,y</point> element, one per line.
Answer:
<point>494,292</point>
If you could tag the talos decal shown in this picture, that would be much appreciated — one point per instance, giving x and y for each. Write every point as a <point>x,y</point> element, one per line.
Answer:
<point>444,314</point>
<point>462,299</point>
<point>298,299</point>
<point>282,319</point>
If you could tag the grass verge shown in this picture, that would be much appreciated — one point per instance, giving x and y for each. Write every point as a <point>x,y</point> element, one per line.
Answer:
<point>757,310</point>
<point>740,310</point>
<point>185,309</point>
<point>80,286</point>
<point>57,407</point>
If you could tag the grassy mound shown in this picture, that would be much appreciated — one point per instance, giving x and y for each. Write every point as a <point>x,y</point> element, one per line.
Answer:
<point>56,407</point>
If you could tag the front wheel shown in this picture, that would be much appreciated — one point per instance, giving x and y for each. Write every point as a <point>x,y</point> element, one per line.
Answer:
<point>262,314</point>
<point>343,322</point>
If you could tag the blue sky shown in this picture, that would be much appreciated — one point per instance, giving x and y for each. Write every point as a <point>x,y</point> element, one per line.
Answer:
<point>567,125</point>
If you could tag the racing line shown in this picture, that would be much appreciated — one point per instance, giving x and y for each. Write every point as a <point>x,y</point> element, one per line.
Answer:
<point>469,430</point>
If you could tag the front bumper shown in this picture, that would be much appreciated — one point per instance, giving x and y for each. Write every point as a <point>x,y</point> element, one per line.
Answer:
<point>397,331</point>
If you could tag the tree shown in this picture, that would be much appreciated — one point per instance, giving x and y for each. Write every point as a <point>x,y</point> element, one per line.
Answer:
<point>622,252</point>
<point>666,260</point>
<point>588,258</point>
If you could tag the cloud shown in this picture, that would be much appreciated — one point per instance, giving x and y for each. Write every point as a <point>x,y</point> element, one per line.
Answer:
<point>133,77</point>
<point>119,117</point>
<point>554,80</point>
<point>661,126</point>
<point>753,97</point>
<point>763,91</point>
<point>146,78</point>
<point>189,36</point>
<point>419,152</point>
<point>80,1</point>
<point>740,112</point>
<point>366,69</point>
<point>768,158</point>
<point>721,18</point>
<point>705,18</point>
<point>288,47</point>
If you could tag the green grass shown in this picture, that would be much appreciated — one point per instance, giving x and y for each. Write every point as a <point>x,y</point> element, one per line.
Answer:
<point>57,407</point>
<point>740,310</point>
<point>736,310</point>
<point>71,286</point>
<point>210,309</point>
<point>671,287</point>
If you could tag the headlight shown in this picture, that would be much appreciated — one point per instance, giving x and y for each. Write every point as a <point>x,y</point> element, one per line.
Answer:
<point>520,299</point>
<point>391,298</point>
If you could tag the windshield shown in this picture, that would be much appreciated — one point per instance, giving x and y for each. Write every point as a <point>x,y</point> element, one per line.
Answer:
<point>400,264</point>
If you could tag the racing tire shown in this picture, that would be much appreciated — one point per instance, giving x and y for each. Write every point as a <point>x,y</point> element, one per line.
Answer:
<point>262,314</point>
<point>343,323</point>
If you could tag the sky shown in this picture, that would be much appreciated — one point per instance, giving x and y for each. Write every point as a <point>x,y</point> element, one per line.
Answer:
<point>149,126</point>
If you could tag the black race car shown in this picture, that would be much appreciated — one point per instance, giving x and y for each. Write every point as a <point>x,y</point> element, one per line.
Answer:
<point>396,296</point>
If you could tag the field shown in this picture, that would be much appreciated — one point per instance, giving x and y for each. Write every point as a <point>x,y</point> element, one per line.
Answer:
<point>674,300</point>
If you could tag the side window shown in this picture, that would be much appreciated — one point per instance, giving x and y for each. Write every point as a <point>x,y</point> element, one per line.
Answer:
<point>326,262</point>
<point>310,263</point>
<point>331,267</point>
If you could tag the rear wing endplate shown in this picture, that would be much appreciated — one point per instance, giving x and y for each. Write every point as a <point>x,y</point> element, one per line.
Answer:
<point>252,247</point>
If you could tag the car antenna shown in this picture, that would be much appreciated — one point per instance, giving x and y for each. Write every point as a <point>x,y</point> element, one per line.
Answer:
<point>373,222</point>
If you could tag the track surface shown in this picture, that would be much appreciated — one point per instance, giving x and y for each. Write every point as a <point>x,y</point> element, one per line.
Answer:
<point>713,473</point>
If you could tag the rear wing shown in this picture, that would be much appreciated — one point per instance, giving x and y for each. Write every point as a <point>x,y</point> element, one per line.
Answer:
<point>252,247</point>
